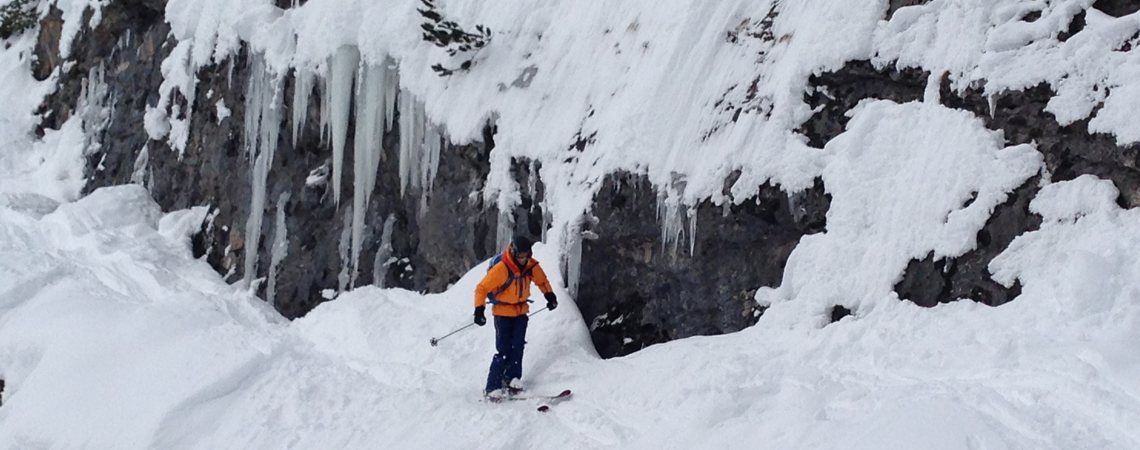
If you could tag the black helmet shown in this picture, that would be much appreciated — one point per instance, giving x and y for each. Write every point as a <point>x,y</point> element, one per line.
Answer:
<point>521,244</point>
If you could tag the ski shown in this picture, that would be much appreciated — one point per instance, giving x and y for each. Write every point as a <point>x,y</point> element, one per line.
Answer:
<point>550,400</point>
<point>547,400</point>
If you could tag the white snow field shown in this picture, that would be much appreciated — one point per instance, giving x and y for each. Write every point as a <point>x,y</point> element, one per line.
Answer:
<point>113,336</point>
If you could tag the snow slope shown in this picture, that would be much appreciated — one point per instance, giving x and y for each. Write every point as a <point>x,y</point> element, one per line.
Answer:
<point>112,336</point>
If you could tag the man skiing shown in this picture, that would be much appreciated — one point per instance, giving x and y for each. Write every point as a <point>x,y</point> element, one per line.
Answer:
<point>507,287</point>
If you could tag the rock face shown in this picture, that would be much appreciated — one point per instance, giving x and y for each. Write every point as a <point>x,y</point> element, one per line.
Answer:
<point>634,291</point>
<point>432,243</point>
<point>1070,151</point>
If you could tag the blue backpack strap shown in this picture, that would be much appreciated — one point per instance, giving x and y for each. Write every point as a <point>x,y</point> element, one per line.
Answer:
<point>510,279</point>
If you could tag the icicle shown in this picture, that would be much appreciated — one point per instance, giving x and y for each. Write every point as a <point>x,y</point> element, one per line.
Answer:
<point>573,261</point>
<point>532,180</point>
<point>384,254</point>
<point>369,133</point>
<point>505,229</point>
<point>933,92</point>
<point>326,103</point>
<point>391,87</point>
<point>263,125</point>
<point>547,220</point>
<point>301,93</point>
<point>141,170</point>
<point>367,148</point>
<point>429,165</point>
<point>692,212</point>
<point>992,100</point>
<point>343,249</point>
<point>669,213</point>
<point>280,247</point>
<point>411,138</point>
<point>342,69</point>
<point>358,210</point>
<point>92,107</point>
<point>420,144</point>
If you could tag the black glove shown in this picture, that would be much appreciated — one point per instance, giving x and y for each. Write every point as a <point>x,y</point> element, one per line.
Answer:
<point>551,301</point>
<point>480,318</point>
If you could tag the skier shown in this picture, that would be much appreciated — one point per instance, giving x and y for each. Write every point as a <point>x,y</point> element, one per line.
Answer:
<point>507,287</point>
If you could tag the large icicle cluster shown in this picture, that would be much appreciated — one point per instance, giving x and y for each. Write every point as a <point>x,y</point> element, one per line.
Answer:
<point>419,146</point>
<point>374,99</point>
<point>672,214</point>
<point>338,97</point>
<point>262,128</point>
<point>301,93</point>
<point>355,88</point>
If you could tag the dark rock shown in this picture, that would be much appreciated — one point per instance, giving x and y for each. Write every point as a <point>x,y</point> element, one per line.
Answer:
<point>635,291</point>
<point>1117,8</point>
<point>47,44</point>
<point>832,94</point>
<point>1070,151</point>
<point>128,43</point>
<point>895,5</point>
<point>1075,26</point>
<point>838,312</point>
<point>928,282</point>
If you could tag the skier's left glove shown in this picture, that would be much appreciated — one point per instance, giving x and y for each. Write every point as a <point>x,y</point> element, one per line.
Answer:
<point>551,301</point>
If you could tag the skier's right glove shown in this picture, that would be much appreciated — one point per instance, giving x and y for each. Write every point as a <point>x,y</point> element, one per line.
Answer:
<point>551,301</point>
<point>480,318</point>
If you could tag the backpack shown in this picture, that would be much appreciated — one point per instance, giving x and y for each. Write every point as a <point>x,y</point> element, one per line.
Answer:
<point>511,278</point>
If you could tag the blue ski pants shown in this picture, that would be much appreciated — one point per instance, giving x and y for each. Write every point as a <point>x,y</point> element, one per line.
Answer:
<point>510,337</point>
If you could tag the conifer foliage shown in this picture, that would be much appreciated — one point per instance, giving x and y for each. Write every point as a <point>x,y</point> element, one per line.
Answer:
<point>16,17</point>
<point>460,44</point>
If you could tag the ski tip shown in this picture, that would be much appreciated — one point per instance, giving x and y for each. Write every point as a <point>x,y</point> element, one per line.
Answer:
<point>564,393</point>
<point>544,408</point>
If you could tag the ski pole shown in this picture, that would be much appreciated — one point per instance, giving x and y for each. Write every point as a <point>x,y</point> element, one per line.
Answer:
<point>435,341</point>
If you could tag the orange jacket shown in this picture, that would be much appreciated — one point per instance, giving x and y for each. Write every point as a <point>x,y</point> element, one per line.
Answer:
<point>508,287</point>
